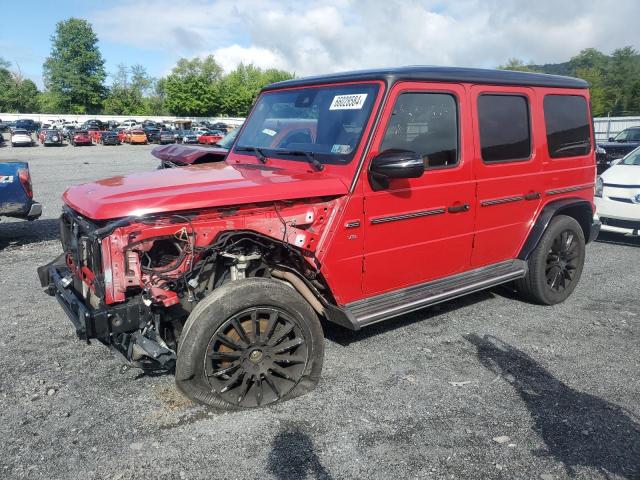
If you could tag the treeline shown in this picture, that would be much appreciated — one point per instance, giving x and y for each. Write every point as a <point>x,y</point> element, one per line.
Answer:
<point>75,82</point>
<point>614,79</point>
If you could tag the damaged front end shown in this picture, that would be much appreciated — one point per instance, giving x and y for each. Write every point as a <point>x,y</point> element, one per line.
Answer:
<point>132,283</point>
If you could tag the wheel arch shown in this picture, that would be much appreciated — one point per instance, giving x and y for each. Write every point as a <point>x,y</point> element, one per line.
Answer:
<point>578,208</point>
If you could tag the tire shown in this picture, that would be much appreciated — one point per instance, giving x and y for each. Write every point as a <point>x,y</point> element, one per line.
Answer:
<point>205,369</point>
<point>556,264</point>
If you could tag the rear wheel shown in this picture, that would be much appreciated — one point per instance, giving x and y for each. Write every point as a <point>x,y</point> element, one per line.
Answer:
<point>250,343</point>
<point>555,266</point>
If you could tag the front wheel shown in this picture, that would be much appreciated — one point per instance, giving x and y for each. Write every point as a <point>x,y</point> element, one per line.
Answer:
<point>555,266</point>
<point>250,343</point>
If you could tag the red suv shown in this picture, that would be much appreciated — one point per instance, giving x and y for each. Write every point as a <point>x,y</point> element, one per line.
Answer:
<point>401,189</point>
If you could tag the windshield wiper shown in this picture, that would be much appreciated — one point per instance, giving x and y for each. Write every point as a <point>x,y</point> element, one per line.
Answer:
<point>311,159</point>
<point>258,151</point>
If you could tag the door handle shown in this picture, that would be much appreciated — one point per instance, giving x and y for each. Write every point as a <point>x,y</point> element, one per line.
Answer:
<point>532,196</point>
<point>458,208</point>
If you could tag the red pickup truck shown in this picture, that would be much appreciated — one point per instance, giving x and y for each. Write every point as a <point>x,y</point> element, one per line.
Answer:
<point>401,189</point>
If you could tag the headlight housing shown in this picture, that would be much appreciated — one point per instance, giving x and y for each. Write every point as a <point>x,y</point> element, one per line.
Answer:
<point>599,187</point>
<point>600,150</point>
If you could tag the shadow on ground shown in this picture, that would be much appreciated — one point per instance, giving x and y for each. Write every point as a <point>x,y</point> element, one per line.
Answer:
<point>292,457</point>
<point>577,428</point>
<point>17,234</point>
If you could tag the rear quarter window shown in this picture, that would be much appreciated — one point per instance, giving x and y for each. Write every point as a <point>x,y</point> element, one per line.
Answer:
<point>567,124</point>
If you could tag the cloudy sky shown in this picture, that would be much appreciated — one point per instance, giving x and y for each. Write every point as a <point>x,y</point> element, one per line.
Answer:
<point>309,37</point>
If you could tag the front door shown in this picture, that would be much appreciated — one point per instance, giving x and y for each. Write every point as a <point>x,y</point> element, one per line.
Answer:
<point>421,229</point>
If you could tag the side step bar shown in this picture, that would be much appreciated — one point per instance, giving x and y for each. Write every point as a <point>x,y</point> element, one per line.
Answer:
<point>388,305</point>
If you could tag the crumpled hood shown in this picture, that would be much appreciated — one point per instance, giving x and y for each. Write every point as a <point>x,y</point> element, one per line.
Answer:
<point>197,187</point>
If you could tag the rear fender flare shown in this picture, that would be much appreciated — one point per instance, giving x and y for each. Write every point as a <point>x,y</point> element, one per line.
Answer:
<point>578,208</point>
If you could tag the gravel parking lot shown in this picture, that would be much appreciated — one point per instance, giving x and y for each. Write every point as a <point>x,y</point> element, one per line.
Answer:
<point>486,387</point>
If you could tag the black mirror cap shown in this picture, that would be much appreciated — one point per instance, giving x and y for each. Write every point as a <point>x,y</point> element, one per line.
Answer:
<point>611,139</point>
<point>394,163</point>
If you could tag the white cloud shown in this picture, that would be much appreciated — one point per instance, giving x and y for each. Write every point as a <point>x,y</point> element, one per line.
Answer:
<point>318,37</point>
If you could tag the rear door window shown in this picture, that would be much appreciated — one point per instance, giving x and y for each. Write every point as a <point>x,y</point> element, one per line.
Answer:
<point>566,119</point>
<point>505,133</point>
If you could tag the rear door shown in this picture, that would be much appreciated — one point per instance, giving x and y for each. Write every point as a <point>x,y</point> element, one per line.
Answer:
<point>420,229</point>
<point>507,167</point>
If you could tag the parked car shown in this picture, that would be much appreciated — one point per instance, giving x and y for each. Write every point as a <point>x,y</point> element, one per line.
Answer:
<point>182,155</point>
<point>166,136</point>
<point>21,138</point>
<point>415,186</point>
<point>129,124</point>
<point>41,134</point>
<point>109,137</point>
<point>210,137</point>
<point>153,134</point>
<point>81,137</point>
<point>4,126</point>
<point>188,137</point>
<point>16,192</point>
<point>136,136</point>
<point>617,147</point>
<point>53,137</point>
<point>26,124</point>
<point>618,195</point>
<point>68,131</point>
<point>122,134</point>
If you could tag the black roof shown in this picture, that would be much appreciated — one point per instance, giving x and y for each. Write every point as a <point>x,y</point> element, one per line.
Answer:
<point>439,74</point>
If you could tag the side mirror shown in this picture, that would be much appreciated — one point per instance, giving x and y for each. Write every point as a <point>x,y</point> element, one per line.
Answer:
<point>394,163</point>
<point>611,139</point>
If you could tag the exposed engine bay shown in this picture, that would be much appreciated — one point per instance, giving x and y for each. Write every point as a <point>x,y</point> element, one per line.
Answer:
<point>132,283</point>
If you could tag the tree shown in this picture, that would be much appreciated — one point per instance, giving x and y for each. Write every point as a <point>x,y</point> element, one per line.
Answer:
<point>517,65</point>
<point>239,88</point>
<point>191,89</point>
<point>74,71</point>
<point>17,94</point>
<point>128,92</point>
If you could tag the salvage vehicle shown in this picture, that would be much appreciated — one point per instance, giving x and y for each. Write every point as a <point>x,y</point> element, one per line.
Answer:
<point>153,134</point>
<point>618,195</point>
<point>617,147</point>
<point>26,124</point>
<point>16,192</point>
<point>181,155</point>
<point>109,137</point>
<point>53,137</point>
<point>81,137</point>
<point>166,136</point>
<point>21,138</point>
<point>209,137</point>
<point>409,187</point>
<point>188,137</point>
<point>136,136</point>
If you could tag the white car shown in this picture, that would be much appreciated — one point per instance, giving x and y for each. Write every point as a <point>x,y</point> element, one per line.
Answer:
<point>618,195</point>
<point>21,138</point>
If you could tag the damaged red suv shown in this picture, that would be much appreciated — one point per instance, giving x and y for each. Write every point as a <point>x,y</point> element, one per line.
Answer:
<point>350,198</point>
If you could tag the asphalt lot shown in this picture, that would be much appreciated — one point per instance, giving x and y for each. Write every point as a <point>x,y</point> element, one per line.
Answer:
<point>486,387</point>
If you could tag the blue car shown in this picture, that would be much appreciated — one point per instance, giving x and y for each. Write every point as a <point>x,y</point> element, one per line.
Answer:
<point>16,194</point>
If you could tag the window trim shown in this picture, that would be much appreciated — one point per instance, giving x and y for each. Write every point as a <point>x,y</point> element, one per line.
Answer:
<point>456,101</point>
<point>592,142</point>
<point>530,124</point>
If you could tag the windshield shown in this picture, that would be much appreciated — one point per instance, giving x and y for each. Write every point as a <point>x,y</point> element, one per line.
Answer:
<point>632,158</point>
<point>631,135</point>
<point>227,140</point>
<point>326,122</point>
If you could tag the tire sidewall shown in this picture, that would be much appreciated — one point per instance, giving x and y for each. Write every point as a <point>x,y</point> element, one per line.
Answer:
<point>227,301</point>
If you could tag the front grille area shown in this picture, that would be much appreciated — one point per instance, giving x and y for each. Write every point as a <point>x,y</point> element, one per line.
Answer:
<point>614,222</point>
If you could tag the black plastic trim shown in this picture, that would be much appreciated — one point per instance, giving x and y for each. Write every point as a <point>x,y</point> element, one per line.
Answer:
<point>500,201</point>
<point>406,216</point>
<point>575,188</point>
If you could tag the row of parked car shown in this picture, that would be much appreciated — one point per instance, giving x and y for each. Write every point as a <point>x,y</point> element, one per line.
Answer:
<point>94,135</point>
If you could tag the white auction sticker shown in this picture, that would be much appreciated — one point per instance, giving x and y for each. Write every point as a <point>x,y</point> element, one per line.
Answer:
<point>6,179</point>
<point>348,102</point>
<point>268,131</point>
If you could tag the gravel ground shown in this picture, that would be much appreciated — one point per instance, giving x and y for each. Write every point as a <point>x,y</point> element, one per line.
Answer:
<point>487,387</point>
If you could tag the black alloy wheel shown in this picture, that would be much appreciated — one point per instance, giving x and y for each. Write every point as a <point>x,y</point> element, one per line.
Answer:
<point>256,357</point>
<point>562,261</point>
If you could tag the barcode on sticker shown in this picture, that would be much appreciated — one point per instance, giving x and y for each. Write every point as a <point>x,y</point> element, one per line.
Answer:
<point>348,102</point>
